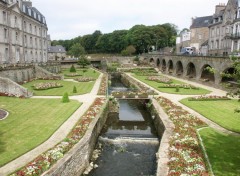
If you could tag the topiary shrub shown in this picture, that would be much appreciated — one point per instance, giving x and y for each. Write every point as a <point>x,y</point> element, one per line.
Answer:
<point>72,69</point>
<point>74,89</point>
<point>65,98</point>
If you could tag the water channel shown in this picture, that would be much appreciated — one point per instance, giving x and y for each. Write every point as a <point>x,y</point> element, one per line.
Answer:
<point>128,141</point>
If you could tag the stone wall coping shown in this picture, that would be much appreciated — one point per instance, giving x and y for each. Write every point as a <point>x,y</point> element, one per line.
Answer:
<point>162,155</point>
<point>83,141</point>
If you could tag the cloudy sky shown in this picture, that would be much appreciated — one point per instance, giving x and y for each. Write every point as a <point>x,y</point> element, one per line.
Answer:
<point>67,19</point>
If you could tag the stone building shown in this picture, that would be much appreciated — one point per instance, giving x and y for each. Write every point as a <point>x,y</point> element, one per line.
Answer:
<point>183,40</point>
<point>56,53</point>
<point>23,33</point>
<point>221,29</point>
<point>199,33</point>
<point>236,31</point>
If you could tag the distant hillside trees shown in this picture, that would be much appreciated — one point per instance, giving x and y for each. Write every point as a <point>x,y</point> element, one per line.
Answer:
<point>140,37</point>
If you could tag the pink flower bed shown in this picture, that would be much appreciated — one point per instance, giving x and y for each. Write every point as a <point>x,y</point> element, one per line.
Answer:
<point>44,161</point>
<point>103,85</point>
<point>208,98</point>
<point>186,156</point>
<point>160,79</point>
<point>46,85</point>
<point>85,79</point>
<point>184,86</point>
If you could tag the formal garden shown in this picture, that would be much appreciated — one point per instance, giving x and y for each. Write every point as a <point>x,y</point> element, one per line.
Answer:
<point>166,85</point>
<point>83,80</point>
<point>30,123</point>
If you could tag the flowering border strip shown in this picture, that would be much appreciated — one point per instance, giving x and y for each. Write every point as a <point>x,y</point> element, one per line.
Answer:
<point>46,85</point>
<point>184,86</point>
<point>208,98</point>
<point>84,79</point>
<point>47,159</point>
<point>103,85</point>
<point>185,152</point>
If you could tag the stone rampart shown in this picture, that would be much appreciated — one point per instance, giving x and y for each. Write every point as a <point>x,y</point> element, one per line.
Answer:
<point>77,159</point>
<point>9,87</point>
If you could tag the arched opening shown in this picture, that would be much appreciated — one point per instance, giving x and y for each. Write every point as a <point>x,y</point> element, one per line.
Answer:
<point>207,73</point>
<point>170,66</point>
<point>151,62</point>
<point>227,75</point>
<point>158,62</point>
<point>164,65</point>
<point>191,70</point>
<point>179,68</point>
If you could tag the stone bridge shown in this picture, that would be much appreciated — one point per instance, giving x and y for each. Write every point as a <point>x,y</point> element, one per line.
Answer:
<point>200,68</point>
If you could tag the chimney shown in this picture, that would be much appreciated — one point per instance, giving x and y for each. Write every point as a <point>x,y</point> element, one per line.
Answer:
<point>28,3</point>
<point>219,7</point>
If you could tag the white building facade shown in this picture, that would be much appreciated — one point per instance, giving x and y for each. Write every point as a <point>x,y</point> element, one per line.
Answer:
<point>23,33</point>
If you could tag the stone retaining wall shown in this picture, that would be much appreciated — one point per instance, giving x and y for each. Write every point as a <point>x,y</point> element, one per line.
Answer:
<point>164,128</point>
<point>11,88</point>
<point>77,159</point>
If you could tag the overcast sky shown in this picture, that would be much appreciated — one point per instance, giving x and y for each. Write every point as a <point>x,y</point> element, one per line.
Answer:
<point>67,19</point>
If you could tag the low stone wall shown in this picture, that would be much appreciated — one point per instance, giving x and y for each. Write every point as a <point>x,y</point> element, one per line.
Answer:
<point>19,75</point>
<point>77,159</point>
<point>164,128</point>
<point>11,88</point>
<point>43,73</point>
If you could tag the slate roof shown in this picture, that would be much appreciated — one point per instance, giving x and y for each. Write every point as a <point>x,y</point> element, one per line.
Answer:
<point>32,12</point>
<point>56,49</point>
<point>200,22</point>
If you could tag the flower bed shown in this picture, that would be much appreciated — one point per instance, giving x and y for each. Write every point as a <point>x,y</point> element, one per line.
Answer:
<point>160,79</point>
<point>142,95</point>
<point>117,94</point>
<point>184,86</point>
<point>46,85</point>
<point>130,94</point>
<point>73,74</point>
<point>48,158</point>
<point>85,79</point>
<point>103,85</point>
<point>186,156</point>
<point>208,98</point>
<point>3,114</point>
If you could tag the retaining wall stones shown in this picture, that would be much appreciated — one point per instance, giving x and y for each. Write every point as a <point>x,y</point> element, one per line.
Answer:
<point>11,88</point>
<point>77,159</point>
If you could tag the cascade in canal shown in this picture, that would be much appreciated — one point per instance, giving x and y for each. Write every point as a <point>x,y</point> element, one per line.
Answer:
<point>128,141</point>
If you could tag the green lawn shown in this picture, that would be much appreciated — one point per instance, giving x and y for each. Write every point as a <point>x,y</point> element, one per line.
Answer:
<point>223,152</point>
<point>221,112</point>
<point>182,91</point>
<point>89,73</point>
<point>30,123</point>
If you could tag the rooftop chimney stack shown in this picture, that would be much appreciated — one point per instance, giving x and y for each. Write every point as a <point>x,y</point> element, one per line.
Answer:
<point>219,7</point>
<point>28,3</point>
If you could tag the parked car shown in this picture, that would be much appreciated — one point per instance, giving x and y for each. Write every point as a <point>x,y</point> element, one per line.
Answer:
<point>187,51</point>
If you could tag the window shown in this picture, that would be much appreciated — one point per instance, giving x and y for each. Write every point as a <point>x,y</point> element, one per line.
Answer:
<point>25,25</point>
<point>5,33</point>
<point>199,36</point>
<point>6,54</point>
<point>16,36</point>
<point>25,40</point>
<point>217,44</point>
<point>36,42</point>
<point>35,28</point>
<point>31,41</point>
<point>30,28</point>
<point>4,16</point>
<point>212,32</point>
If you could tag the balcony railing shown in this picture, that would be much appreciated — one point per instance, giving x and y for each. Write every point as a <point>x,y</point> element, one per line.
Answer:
<point>233,36</point>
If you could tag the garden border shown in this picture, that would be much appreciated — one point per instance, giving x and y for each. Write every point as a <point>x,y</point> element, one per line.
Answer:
<point>5,115</point>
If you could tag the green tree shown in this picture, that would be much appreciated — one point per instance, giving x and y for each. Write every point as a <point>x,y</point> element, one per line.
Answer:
<point>83,61</point>
<point>130,50</point>
<point>77,50</point>
<point>65,98</point>
<point>72,69</point>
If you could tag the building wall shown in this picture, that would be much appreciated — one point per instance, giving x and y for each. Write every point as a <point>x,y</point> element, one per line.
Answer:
<point>56,56</point>
<point>22,38</point>
<point>198,37</point>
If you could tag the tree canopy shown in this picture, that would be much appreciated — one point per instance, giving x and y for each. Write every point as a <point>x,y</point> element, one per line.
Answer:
<point>141,37</point>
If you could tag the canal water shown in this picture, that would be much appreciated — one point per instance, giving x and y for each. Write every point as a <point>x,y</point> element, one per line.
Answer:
<point>128,141</point>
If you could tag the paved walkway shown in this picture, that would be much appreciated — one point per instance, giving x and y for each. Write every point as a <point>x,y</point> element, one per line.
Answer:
<point>176,98</point>
<point>60,134</point>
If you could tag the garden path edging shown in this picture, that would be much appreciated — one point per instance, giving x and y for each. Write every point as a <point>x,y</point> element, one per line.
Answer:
<point>6,114</point>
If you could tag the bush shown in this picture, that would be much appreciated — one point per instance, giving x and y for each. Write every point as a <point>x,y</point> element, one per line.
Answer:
<point>177,89</point>
<point>72,69</point>
<point>74,89</point>
<point>65,98</point>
